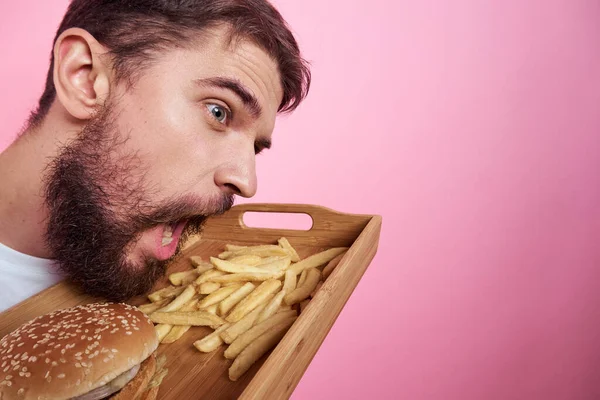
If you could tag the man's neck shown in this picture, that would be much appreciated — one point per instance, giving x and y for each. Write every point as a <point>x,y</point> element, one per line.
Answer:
<point>23,165</point>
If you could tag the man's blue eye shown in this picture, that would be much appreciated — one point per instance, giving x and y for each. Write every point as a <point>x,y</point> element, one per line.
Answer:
<point>219,112</point>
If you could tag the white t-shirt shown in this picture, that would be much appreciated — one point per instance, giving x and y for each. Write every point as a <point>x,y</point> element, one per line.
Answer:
<point>22,276</point>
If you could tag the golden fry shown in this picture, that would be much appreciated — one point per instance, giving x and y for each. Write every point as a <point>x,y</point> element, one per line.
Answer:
<point>289,284</point>
<point>208,276</point>
<point>316,260</point>
<point>302,292</point>
<point>255,298</point>
<point>165,293</point>
<point>193,318</point>
<point>285,244</point>
<point>162,330</point>
<point>272,306</point>
<point>183,278</point>
<point>302,278</point>
<point>284,307</point>
<point>331,265</point>
<point>257,349</point>
<point>151,307</point>
<point>211,342</point>
<point>196,260</point>
<point>261,251</point>
<point>236,329</point>
<point>225,278</point>
<point>233,247</point>
<point>217,296</point>
<point>212,309</point>
<point>185,296</point>
<point>203,267</point>
<point>257,330</point>
<point>226,305</point>
<point>178,331</point>
<point>247,259</point>
<point>208,287</point>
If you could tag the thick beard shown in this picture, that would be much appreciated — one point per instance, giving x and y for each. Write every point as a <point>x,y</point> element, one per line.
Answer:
<point>98,206</point>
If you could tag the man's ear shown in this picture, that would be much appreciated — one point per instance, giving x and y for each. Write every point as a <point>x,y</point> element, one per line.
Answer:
<point>81,76</point>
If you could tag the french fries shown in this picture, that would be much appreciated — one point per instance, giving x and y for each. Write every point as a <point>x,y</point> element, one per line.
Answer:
<point>183,278</point>
<point>196,260</point>
<point>331,265</point>
<point>209,276</point>
<point>188,293</point>
<point>316,260</point>
<point>261,251</point>
<point>302,278</point>
<point>227,304</point>
<point>178,331</point>
<point>151,307</point>
<point>302,292</point>
<point>208,287</point>
<point>255,350</point>
<point>165,293</point>
<point>276,266</point>
<point>211,342</point>
<point>248,276</point>
<point>236,329</point>
<point>248,259</point>
<point>192,318</point>
<point>255,298</point>
<point>285,244</point>
<point>218,296</point>
<point>249,336</point>
<point>248,295</point>
<point>162,330</point>
<point>272,306</point>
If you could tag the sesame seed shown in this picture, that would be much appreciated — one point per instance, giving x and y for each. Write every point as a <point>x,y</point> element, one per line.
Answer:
<point>61,376</point>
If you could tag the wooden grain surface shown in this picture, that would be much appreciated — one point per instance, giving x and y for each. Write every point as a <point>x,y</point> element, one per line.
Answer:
<point>195,375</point>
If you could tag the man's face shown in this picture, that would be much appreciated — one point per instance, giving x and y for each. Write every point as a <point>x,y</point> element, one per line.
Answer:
<point>160,157</point>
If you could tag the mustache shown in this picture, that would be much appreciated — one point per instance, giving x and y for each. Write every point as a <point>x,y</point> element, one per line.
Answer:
<point>187,207</point>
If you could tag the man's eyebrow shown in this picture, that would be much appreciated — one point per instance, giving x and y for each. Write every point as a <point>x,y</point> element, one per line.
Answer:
<point>262,143</point>
<point>248,99</point>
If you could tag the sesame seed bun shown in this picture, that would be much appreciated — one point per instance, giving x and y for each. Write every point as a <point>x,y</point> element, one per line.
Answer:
<point>70,352</point>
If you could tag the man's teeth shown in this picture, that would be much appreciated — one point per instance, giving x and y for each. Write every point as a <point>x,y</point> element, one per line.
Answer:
<point>167,235</point>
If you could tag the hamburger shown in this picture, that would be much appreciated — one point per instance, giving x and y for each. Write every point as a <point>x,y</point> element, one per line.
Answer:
<point>89,352</point>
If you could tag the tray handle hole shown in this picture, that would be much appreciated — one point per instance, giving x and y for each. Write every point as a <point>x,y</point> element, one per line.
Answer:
<point>273,220</point>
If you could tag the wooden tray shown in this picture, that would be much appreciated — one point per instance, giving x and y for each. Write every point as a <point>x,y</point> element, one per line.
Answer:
<point>194,375</point>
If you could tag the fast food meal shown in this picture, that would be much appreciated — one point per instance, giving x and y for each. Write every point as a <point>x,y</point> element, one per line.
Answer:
<point>89,352</point>
<point>248,295</point>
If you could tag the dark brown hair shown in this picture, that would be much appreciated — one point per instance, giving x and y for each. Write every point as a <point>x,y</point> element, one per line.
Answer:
<point>134,31</point>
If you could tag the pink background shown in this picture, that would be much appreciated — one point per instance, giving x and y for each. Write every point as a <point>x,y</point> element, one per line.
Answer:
<point>473,128</point>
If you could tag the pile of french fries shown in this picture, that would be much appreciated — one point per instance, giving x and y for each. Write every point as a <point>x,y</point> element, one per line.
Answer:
<point>249,295</point>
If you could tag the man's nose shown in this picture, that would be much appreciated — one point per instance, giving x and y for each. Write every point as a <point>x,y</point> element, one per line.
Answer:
<point>238,177</point>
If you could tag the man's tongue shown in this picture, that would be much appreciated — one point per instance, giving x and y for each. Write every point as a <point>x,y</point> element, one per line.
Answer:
<point>167,238</point>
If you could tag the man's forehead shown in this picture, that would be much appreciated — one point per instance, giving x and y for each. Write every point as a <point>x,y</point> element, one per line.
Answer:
<point>217,54</point>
